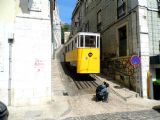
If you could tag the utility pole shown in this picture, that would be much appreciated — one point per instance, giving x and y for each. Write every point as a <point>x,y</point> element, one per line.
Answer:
<point>52,7</point>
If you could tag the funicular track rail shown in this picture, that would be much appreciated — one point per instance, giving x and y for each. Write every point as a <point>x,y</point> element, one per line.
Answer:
<point>85,82</point>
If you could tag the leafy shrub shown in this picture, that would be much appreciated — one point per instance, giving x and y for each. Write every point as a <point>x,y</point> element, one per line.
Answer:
<point>157,82</point>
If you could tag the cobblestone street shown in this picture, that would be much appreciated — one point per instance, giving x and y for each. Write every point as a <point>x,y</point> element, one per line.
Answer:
<point>137,115</point>
<point>71,103</point>
<point>82,104</point>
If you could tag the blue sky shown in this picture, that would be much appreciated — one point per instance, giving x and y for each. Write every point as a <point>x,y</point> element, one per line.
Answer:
<point>66,8</point>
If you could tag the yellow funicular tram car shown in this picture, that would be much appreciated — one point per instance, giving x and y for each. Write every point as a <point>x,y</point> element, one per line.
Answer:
<point>83,52</point>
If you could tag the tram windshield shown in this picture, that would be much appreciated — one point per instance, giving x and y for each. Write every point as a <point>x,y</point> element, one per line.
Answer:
<point>90,41</point>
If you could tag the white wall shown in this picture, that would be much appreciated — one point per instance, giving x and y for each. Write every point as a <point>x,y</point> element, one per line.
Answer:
<point>7,16</point>
<point>31,56</point>
<point>31,72</point>
<point>4,62</point>
<point>57,27</point>
<point>144,45</point>
<point>31,53</point>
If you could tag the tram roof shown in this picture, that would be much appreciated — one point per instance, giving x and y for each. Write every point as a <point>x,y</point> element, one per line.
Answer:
<point>82,33</point>
<point>87,33</point>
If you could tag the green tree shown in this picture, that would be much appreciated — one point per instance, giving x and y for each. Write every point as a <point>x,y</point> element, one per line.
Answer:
<point>65,28</point>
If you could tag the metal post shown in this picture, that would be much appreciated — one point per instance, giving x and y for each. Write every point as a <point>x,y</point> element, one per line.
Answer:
<point>52,7</point>
<point>10,41</point>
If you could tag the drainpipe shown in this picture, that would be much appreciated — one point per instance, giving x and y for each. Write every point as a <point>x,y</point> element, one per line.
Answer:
<point>10,41</point>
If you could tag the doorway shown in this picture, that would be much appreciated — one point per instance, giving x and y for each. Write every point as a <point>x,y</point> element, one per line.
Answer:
<point>158,74</point>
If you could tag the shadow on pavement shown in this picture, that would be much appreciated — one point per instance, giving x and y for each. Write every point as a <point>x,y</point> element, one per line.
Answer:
<point>94,98</point>
<point>156,108</point>
<point>71,71</point>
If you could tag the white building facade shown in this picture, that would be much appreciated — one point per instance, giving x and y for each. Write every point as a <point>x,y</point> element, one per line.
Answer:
<point>25,62</point>
<point>57,27</point>
<point>7,17</point>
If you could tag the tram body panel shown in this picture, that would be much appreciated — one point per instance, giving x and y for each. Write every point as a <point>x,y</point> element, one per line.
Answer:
<point>71,56</point>
<point>88,60</point>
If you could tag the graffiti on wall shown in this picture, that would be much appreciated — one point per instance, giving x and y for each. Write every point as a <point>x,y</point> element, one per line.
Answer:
<point>39,65</point>
<point>123,68</point>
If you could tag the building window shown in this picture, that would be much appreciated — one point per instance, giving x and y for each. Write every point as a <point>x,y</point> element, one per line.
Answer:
<point>122,33</point>
<point>34,5</point>
<point>87,3</point>
<point>79,18</point>
<point>87,27</point>
<point>99,21</point>
<point>86,6</point>
<point>76,24</point>
<point>121,8</point>
<point>159,46</point>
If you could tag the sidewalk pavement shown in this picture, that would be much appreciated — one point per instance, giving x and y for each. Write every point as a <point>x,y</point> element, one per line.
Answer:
<point>62,107</point>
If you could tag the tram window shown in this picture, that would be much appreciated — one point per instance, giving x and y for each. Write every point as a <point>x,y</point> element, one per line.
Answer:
<point>81,41</point>
<point>98,45</point>
<point>90,41</point>
<point>78,41</point>
<point>67,48</point>
<point>75,44</point>
<point>72,45</point>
